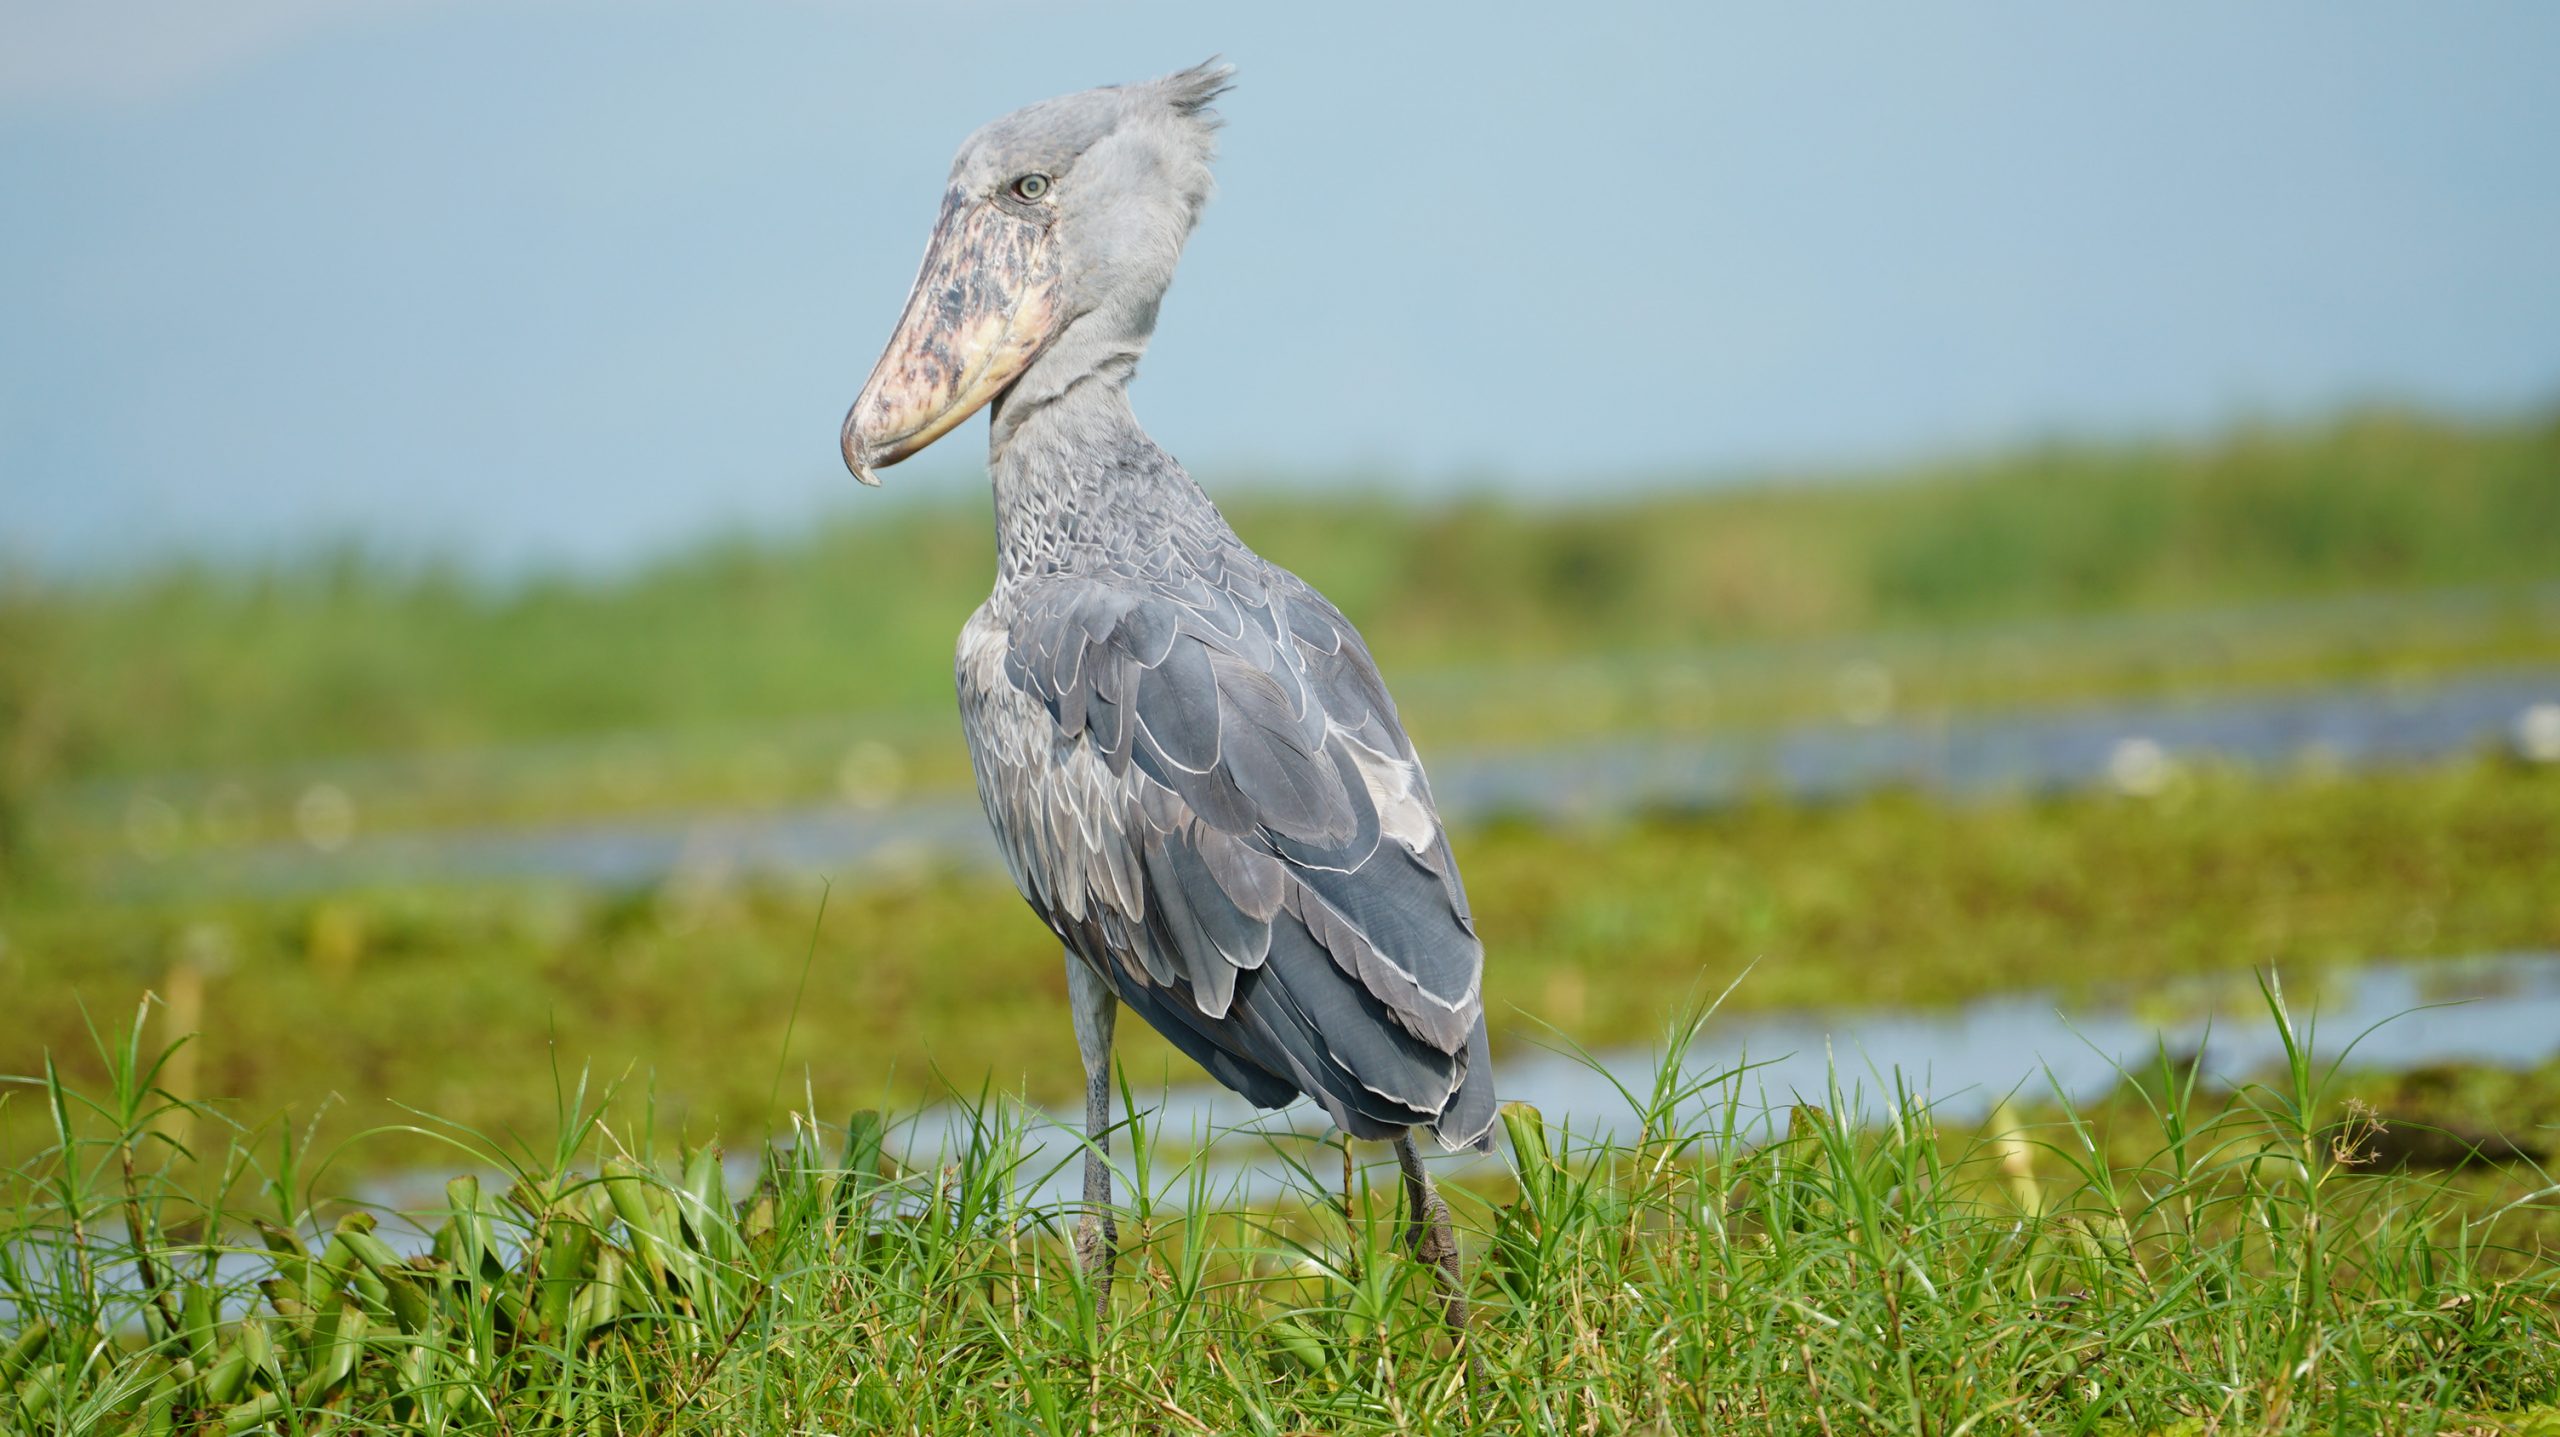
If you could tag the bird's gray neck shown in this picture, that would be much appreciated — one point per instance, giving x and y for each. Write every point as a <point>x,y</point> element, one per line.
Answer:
<point>1077,481</point>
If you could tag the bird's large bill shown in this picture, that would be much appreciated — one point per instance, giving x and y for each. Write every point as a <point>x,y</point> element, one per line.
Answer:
<point>984,305</point>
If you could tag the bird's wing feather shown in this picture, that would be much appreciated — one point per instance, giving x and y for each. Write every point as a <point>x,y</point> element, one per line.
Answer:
<point>1206,786</point>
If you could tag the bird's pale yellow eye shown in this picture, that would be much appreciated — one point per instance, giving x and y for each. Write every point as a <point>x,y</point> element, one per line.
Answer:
<point>1031,187</point>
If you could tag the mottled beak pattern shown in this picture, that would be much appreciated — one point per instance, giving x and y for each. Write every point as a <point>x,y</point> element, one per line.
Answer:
<point>984,306</point>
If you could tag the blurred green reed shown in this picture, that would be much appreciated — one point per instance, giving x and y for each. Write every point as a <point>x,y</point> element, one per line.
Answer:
<point>197,665</point>
<point>2179,1261</point>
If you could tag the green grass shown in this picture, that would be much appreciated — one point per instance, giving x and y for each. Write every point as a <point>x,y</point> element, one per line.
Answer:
<point>2239,1274</point>
<point>462,1000</point>
<point>745,671</point>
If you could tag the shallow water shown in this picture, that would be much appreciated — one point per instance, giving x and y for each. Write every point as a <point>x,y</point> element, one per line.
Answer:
<point>2501,1010</point>
<point>2135,748</point>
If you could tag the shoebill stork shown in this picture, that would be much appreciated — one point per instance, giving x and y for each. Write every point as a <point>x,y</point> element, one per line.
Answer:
<point>1195,774</point>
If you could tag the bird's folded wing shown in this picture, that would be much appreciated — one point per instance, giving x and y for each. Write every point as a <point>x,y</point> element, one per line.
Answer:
<point>1216,784</point>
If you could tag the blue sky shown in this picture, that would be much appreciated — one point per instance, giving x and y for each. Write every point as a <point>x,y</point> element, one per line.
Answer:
<point>541,283</point>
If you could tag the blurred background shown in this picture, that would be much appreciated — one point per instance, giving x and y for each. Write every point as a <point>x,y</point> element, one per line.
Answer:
<point>1931,515</point>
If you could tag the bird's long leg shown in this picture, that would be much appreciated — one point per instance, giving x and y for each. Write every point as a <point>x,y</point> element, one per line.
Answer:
<point>1427,1229</point>
<point>1350,1225</point>
<point>1096,1009</point>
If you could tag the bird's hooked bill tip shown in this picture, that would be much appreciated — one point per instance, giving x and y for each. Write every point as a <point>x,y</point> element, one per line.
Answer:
<point>861,459</point>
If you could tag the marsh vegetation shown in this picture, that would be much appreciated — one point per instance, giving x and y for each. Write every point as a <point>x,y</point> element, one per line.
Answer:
<point>2314,1248</point>
<point>2178,1258</point>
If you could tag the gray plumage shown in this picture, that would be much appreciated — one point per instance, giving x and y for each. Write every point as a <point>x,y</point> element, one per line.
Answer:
<point>1195,773</point>
<point>1199,781</point>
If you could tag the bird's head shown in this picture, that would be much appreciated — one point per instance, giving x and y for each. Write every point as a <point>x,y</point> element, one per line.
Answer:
<point>1060,228</point>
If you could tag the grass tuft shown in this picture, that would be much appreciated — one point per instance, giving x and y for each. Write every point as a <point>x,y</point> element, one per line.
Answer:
<point>2173,1259</point>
